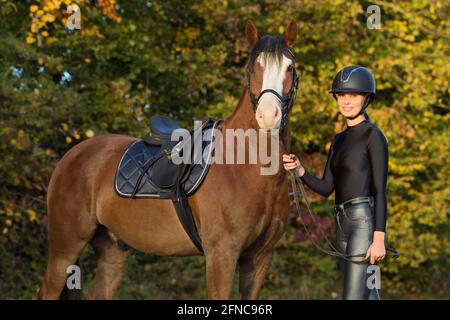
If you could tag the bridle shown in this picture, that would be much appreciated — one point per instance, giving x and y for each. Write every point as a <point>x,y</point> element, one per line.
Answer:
<point>287,101</point>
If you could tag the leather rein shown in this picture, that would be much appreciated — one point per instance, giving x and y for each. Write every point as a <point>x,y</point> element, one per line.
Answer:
<point>295,180</point>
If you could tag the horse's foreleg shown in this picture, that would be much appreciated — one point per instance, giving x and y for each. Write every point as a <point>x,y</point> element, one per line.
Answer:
<point>252,271</point>
<point>255,261</point>
<point>110,266</point>
<point>220,267</point>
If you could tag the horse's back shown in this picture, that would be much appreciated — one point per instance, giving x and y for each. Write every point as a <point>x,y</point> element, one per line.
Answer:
<point>95,147</point>
<point>85,161</point>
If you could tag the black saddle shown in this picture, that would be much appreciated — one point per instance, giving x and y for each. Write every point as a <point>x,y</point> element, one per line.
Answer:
<point>148,168</point>
<point>161,130</point>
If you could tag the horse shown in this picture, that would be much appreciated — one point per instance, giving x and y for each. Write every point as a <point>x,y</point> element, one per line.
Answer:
<point>240,214</point>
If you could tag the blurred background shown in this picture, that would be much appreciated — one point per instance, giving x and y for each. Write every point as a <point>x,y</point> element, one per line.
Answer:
<point>132,59</point>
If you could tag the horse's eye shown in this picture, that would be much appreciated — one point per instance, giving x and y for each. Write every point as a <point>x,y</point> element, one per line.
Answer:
<point>290,68</point>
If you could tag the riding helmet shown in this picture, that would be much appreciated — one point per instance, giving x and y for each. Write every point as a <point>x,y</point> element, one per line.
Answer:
<point>356,79</point>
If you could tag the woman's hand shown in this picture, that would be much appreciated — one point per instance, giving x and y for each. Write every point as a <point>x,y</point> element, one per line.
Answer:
<point>377,250</point>
<point>291,162</point>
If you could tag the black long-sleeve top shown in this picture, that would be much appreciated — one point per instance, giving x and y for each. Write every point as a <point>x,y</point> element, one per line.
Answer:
<point>357,166</point>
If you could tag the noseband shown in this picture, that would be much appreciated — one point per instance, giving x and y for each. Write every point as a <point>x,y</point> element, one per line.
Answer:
<point>287,101</point>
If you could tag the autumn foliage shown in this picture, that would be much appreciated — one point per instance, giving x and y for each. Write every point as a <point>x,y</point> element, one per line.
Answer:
<point>132,59</point>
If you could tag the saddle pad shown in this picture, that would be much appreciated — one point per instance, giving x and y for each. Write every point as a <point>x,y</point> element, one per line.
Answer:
<point>140,153</point>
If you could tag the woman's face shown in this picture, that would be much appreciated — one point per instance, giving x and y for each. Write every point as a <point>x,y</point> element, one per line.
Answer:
<point>350,104</point>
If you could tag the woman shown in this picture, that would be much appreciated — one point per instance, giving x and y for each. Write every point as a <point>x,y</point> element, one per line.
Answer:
<point>357,170</point>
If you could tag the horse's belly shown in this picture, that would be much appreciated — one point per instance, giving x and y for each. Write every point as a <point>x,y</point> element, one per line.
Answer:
<point>147,225</point>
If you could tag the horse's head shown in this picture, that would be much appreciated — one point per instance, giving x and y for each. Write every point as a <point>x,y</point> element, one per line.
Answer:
<point>271,77</point>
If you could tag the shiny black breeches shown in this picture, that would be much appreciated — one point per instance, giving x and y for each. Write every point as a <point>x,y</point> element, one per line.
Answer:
<point>354,235</point>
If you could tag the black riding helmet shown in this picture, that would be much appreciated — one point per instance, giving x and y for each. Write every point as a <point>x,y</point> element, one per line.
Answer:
<point>355,79</point>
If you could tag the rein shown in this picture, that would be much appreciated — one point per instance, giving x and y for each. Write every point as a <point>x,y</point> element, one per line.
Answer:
<point>295,180</point>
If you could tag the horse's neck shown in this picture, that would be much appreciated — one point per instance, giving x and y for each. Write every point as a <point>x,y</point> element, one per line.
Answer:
<point>243,116</point>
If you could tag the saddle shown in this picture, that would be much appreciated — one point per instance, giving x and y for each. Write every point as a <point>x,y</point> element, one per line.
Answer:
<point>153,167</point>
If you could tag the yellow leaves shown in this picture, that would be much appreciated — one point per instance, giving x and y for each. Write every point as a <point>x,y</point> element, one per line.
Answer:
<point>11,217</point>
<point>185,38</point>
<point>40,19</point>
<point>65,126</point>
<point>355,9</point>
<point>76,135</point>
<point>52,5</point>
<point>16,144</point>
<point>30,40</point>
<point>51,40</point>
<point>50,12</point>
<point>410,133</point>
<point>48,18</point>
<point>400,26</point>
<point>92,32</point>
<point>404,169</point>
<point>89,133</point>
<point>34,28</point>
<point>73,134</point>
<point>422,146</point>
<point>9,212</point>
<point>31,215</point>
<point>191,33</point>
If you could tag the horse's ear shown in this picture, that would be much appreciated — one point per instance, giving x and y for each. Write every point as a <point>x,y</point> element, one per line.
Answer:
<point>251,33</point>
<point>290,34</point>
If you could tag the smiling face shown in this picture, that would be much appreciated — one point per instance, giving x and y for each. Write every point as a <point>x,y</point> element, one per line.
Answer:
<point>350,104</point>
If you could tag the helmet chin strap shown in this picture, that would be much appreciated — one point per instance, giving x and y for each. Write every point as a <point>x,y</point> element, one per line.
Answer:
<point>354,117</point>
<point>367,100</point>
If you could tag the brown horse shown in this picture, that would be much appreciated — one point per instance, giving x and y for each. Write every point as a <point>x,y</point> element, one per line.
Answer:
<point>239,213</point>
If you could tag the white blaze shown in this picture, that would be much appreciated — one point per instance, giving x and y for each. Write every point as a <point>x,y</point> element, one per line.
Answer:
<point>268,113</point>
